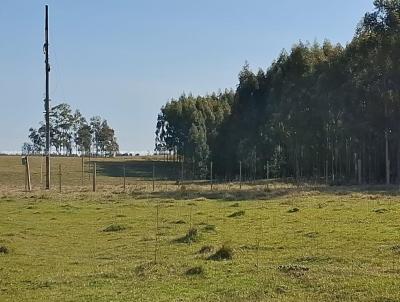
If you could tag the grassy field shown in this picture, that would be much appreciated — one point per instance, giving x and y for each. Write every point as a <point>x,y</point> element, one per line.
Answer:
<point>286,243</point>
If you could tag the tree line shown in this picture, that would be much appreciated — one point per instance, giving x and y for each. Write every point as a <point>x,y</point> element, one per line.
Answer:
<point>71,132</point>
<point>319,111</point>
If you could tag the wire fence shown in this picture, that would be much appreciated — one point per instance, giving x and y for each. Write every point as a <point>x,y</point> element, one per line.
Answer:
<point>130,175</point>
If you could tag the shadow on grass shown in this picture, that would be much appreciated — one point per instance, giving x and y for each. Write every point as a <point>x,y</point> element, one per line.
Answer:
<point>197,191</point>
<point>258,190</point>
<point>139,169</point>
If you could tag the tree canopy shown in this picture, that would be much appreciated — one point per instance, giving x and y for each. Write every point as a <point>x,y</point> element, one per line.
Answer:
<point>317,110</point>
<point>70,130</point>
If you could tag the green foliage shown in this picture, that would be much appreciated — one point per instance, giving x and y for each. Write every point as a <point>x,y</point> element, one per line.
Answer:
<point>70,130</point>
<point>354,257</point>
<point>316,111</point>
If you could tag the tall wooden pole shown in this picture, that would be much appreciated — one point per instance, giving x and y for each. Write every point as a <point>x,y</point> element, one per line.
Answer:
<point>47,100</point>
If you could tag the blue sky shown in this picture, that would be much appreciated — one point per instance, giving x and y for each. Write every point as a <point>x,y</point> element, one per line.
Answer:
<point>124,59</point>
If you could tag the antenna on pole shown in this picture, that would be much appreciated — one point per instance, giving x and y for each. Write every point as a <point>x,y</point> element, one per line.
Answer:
<point>47,99</point>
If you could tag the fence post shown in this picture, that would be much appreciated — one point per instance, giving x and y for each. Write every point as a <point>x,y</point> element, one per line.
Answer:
<point>156,243</point>
<point>240,174</point>
<point>83,167</point>
<point>59,178</point>
<point>182,170</point>
<point>154,172</point>
<point>124,178</point>
<point>326,171</point>
<point>41,173</point>
<point>94,177</point>
<point>27,176</point>
<point>211,176</point>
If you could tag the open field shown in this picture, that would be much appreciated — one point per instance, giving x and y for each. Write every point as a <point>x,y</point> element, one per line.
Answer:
<point>288,244</point>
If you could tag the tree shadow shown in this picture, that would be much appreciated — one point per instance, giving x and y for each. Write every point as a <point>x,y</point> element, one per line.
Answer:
<point>142,170</point>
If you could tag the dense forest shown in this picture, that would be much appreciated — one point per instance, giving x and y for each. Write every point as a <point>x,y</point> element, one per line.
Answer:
<point>318,112</point>
<point>70,131</point>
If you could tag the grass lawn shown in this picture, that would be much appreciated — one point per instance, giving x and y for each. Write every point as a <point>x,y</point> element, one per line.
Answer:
<point>287,244</point>
<point>305,246</point>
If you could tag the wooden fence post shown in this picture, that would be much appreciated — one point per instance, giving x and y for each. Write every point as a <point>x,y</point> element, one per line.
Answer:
<point>59,178</point>
<point>94,177</point>
<point>28,186</point>
<point>41,173</point>
<point>211,176</point>
<point>240,174</point>
<point>83,168</point>
<point>124,178</point>
<point>154,172</point>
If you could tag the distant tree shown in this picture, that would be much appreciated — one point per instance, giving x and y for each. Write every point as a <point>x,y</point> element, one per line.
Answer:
<point>70,130</point>
<point>27,149</point>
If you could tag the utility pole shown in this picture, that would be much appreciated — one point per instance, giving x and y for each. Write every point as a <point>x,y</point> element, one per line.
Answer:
<point>47,100</point>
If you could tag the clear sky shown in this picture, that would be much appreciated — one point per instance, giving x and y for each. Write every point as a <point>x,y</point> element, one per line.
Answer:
<point>123,59</point>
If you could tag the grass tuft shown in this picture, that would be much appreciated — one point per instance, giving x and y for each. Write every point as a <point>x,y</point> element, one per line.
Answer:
<point>224,253</point>
<point>206,249</point>
<point>191,236</point>
<point>4,249</point>
<point>195,271</point>
<point>114,228</point>
<point>210,228</point>
<point>237,214</point>
<point>293,269</point>
<point>380,210</point>
<point>180,222</point>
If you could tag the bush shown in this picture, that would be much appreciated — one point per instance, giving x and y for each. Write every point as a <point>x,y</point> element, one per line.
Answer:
<point>224,253</point>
